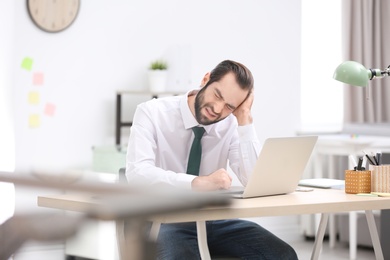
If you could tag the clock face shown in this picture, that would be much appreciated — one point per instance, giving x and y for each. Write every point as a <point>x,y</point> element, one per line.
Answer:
<point>53,15</point>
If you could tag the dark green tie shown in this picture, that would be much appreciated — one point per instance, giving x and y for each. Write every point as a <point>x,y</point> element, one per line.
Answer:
<point>196,152</point>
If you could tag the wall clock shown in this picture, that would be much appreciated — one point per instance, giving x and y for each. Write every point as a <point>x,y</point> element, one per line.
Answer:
<point>53,15</point>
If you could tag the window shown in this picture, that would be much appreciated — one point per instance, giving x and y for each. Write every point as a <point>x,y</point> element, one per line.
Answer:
<point>321,95</point>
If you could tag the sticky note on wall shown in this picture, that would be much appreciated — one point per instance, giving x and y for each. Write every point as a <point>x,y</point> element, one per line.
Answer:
<point>34,121</point>
<point>49,109</point>
<point>33,98</point>
<point>27,63</point>
<point>38,78</point>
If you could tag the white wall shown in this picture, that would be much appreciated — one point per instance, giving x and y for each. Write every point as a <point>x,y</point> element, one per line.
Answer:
<point>7,145</point>
<point>109,47</point>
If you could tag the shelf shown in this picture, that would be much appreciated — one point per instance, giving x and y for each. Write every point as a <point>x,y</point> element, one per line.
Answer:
<point>119,124</point>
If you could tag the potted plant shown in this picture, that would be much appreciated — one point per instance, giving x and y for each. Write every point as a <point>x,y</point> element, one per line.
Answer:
<point>157,76</point>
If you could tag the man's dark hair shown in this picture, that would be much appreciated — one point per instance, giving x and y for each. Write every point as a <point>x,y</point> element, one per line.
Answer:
<point>243,75</point>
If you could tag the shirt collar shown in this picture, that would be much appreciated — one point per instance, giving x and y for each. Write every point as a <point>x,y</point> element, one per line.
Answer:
<point>187,116</point>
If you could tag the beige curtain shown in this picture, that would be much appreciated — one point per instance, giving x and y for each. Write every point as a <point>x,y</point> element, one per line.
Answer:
<point>366,39</point>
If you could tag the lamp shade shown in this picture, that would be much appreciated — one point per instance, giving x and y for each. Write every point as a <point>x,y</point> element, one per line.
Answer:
<point>353,73</point>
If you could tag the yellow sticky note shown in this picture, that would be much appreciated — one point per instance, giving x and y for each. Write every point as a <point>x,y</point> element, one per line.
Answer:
<point>34,121</point>
<point>33,98</point>
<point>27,63</point>
<point>38,78</point>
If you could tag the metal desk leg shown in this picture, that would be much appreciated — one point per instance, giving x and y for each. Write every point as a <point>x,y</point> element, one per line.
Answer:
<point>118,112</point>
<point>352,222</point>
<point>202,240</point>
<point>120,238</point>
<point>320,236</point>
<point>332,225</point>
<point>352,234</point>
<point>332,230</point>
<point>374,235</point>
<point>155,229</point>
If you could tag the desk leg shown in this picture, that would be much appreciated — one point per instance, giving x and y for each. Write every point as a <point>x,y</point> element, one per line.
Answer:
<point>352,234</point>
<point>154,230</point>
<point>202,240</point>
<point>374,235</point>
<point>332,230</point>
<point>118,118</point>
<point>332,225</point>
<point>352,222</point>
<point>320,236</point>
<point>133,246</point>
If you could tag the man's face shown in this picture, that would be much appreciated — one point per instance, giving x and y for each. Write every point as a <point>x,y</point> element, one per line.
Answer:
<point>218,100</point>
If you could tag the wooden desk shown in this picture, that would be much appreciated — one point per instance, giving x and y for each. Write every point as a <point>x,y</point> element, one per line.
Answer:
<point>324,201</point>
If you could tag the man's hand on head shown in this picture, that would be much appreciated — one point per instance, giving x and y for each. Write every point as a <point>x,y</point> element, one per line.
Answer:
<point>218,180</point>
<point>243,112</point>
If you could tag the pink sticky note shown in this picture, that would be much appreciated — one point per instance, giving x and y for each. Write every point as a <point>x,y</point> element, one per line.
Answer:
<point>38,78</point>
<point>50,109</point>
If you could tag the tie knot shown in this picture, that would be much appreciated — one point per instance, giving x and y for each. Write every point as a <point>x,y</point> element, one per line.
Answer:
<point>198,132</point>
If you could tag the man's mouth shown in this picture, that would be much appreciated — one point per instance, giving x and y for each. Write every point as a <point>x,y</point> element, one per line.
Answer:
<point>210,113</point>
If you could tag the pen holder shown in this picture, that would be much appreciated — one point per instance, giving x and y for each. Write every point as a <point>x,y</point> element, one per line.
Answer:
<point>357,181</point>
<point>380,178</point>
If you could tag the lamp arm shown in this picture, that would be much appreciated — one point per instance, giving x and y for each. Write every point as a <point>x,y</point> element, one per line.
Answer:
<point>377,73</point>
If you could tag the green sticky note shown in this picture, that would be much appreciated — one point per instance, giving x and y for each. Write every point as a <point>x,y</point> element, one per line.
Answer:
<point>367,194</point>
<point>27,63</point>
<point>381,194</point>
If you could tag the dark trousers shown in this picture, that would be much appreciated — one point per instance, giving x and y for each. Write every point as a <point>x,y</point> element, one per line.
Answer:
<point>231,238</point>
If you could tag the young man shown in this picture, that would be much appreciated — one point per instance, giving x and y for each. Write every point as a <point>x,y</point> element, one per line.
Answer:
<point>160,146</point>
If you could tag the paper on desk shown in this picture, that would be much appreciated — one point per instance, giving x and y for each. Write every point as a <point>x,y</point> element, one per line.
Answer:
<point>324,183</point>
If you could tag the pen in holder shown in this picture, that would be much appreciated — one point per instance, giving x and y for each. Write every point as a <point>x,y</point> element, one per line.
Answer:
<point>380,178</point>
<point>357,181</point>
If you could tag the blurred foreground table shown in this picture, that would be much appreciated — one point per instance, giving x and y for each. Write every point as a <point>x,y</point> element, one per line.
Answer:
<point>111,201</point>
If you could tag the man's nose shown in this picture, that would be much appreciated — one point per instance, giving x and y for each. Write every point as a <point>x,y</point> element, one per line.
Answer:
<point>218,108</point>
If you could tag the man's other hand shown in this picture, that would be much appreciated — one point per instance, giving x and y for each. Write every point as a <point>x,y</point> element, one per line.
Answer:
<point>218,180</point>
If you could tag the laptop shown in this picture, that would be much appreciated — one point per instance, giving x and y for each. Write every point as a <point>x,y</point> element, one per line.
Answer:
<point>279,168</point>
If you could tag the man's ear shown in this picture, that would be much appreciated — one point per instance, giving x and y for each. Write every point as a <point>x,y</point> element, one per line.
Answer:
<point>205,79</point>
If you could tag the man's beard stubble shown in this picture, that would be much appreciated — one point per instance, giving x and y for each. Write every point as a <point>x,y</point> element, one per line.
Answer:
<point>199,99</point>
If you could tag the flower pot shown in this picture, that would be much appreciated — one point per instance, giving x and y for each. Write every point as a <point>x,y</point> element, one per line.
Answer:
<point>157,80</point>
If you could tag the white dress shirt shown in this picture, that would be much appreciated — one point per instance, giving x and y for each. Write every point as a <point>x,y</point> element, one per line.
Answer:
<point>161,138</point>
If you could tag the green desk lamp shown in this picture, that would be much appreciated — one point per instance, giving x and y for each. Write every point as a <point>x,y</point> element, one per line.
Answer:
<point>354,73</point>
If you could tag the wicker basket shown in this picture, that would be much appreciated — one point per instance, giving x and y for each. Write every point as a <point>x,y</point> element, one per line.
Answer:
<point>357,181</point>
<point>380,178</point>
